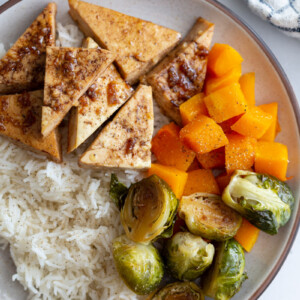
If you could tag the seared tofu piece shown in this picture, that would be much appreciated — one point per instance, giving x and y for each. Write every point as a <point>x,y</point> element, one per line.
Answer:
<point>23,66</point>
<point>139,44</point>
<point>20,120</point>
<point>181,74</point>
<point>107,93</point>
<point>69,73</point>
<point>126,141</point>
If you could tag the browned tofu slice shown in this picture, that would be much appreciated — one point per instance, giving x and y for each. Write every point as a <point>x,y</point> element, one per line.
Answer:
<point>181,74</point>
<point>139,44</point>
<point>69,73</point>
<point>107,93</point>
<point>22,67</point>
<point>126,141</point>
<point>20,120</point>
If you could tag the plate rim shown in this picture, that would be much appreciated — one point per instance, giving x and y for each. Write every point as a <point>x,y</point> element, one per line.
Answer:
<point>296,110</point>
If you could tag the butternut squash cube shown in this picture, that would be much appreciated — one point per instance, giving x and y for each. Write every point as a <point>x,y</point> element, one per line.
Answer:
<point>169,150</point>
<point>212,159</point>
<point>226,125</point>
<point>247,82</point>
<point>222,58</point>
<point>247,235</point>
<point>271,158</point>
<point>225,103</point>
<point>254,123</point>
<point>175,178</point>
<point>201,181</point>
<point>192,108</point>
<point>214,83</point>
<point>270,134</point>
<point>223,180</point>
<point>239,153</point>
<point>203,135</point>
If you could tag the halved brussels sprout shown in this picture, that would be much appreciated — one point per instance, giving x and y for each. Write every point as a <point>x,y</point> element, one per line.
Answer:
<point>226,275</point>
<point>207,215</point>
<point>149,210</point>
<point>264,200</point>
<point>187,256</point>
<point>178,291</point>
<point>139,265</point>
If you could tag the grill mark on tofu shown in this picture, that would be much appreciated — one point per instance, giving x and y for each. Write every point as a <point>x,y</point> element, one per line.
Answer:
<point>181,74</point>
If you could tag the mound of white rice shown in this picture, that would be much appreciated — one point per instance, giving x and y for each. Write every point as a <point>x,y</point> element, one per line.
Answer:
<point>59,220</point>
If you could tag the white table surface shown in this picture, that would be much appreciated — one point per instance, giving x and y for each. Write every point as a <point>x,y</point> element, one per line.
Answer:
<point>285,286</point>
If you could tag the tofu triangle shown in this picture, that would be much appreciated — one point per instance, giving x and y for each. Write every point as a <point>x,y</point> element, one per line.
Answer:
<point>69,73</point>
<point>22,67</point>
<point>20,120</point>
<point>126,141</point>
<point>139,44</point>
<point>181,74</point>
<point>107,93</point>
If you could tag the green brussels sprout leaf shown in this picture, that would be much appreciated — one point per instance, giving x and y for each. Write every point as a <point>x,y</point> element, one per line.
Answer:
<point>118,191</point>
<point>178,291</point>
<point>264,200</point>
<point>139,265</point>
<point>187,256</point>
<point>225,277</point>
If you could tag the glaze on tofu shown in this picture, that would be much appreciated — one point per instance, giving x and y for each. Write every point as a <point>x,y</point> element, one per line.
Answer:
<point>69,73</point>
<point>105,96</point>
<point>23,66</point>
<point>139,44</point>
<point>20,120</point>
<point>181,74</point>
<point>126,141</point>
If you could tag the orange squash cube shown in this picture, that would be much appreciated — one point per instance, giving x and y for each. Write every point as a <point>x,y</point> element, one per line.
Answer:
<point>272,109</point>
<point>194,166</point>
<point>271,158</point>
<point>169,150</point>
<point>223,180</point>
<point>175,178</point>
<point>201,181</point>
<point>190,109</point>
<point>247,82</point>
<point>226,125</point>
<point>212,159</point>
<point>239,153</point>
<point>214,83</point>
<point>278,127</point>
<point>247,235</point>
<point>203,135</point>
<point>254,123</point>
<point>225,103</point>
<point>222,58</point>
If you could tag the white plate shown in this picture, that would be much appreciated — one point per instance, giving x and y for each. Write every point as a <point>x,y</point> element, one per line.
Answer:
<point>269,253</point>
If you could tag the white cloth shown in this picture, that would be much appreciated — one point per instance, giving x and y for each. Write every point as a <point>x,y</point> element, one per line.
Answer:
<point>283,14</point>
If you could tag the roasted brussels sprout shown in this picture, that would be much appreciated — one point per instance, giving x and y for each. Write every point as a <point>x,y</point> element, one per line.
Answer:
<point>139,265</point>
<point>149,210</point>
<point>264,200</point>
<point>226,275</point>
<point>187,256</point>
<point>178,291</point>
<point>206,215</point>
<point>118,191</point>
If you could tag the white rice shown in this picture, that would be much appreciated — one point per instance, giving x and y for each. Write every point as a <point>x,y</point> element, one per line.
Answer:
<point>59,220</point>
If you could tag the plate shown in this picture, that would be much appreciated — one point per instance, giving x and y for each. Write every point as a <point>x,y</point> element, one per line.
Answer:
<point>269,253</point>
